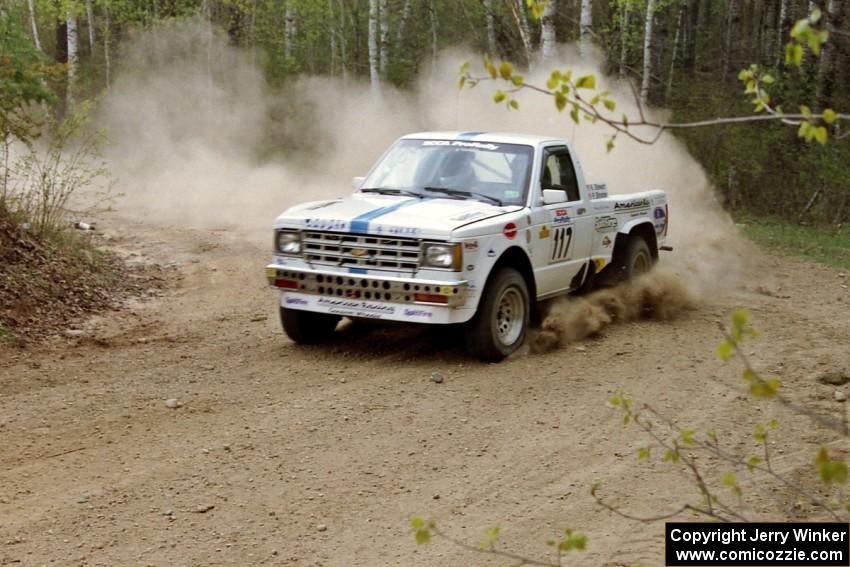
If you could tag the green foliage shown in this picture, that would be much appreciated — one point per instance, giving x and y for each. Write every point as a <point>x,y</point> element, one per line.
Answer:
<point>831,472</point>
<point>24,80</point>
<point>570,541</point>
<point>422,530</point>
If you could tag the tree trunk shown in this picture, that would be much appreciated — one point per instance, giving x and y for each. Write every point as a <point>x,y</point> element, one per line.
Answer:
<point>402,24</point>
<point>548,46</point>
<point>624,40</point>
<point>585,28</point>
<point>107,31</point>
<point>35,37</point>
<point>385,37</point>
<point>518,9</point>
<point>733,24</point>
<point>827,69</point>
<point>491,27</point>
<point>647,51</point>
<point>71,26</point>
<point>90,20</point>
<point>679,23</point>
<point>374,75</point>
<point>434,43</point>
<point>768,32</point>
<point>288,30</point>
<point>342,48</point>
<point>786,19</point>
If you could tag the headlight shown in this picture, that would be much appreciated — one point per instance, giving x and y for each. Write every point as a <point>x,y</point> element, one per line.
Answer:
<point>289,243</point>
<point>443,256</point>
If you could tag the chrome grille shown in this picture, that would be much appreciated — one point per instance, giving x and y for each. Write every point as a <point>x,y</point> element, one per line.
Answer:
<point>361,251</point>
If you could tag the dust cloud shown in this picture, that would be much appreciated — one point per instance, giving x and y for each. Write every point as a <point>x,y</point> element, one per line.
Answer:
<point>200,140</point>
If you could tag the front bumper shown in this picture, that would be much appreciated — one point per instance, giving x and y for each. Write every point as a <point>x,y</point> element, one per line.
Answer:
<point>373,297</point>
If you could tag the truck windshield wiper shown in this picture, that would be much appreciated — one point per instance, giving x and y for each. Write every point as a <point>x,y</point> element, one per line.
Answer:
<point>390,191</point>
<point>460,193</point>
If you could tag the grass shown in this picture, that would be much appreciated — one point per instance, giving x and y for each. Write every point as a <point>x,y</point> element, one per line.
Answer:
<point>826,245</point>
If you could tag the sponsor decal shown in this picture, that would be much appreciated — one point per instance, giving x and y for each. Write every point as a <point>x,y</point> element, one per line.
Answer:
<point>470,245</point>
<point>509,231</point>
<point>561,216</point>
<point>491,253</point>
<point>469,216</point>
<point>627,205</point>
<point>279,260</point>
<point>528,236</point>
<point>606,242</point>
<point>660,217</point>
<point>605,224</point>
<point>418,313</point>
<point>659,213</point>
<point>600,263</point>
<point>355,308</point>
<point>511,194</point>
<point>461,144</point>
<point>597,191</point>
<point>397,230</point>
<point>326,224</point>
<point>544,232</point>
<point>295,301</point>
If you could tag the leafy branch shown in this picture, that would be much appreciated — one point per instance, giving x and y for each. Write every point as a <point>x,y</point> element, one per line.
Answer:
<point>580,96</point>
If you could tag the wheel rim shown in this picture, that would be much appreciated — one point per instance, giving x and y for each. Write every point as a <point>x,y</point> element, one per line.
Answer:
<point>641,264</point>
<point>510,316</point>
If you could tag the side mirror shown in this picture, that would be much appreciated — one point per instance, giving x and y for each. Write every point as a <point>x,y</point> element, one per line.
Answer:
<point>357,182</point>
<point>553,196</point>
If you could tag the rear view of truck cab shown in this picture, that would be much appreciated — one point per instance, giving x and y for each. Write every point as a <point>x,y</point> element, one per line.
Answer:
<point>447,228</point>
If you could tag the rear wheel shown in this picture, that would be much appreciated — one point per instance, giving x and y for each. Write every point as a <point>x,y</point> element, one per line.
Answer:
<point>500,325</point>
<point>638,258</point>
<point>306,327</point>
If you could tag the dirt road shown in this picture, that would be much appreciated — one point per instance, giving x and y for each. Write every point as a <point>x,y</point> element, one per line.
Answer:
<point>281,455</point>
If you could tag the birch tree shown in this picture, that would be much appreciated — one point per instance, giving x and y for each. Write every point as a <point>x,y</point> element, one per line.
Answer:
<point>402,24</point>
<point>647,51</point>
<point>585,28</point>
<point>826,68</point>
<point>624,38</point>
<point>374,74</point>
<point>547,32</point>
<point>491,26</point>
<point>35,37</point>
<point>288,29</point>
<point>733,24</point>
<point>385,36</point>
<point>90,25</point>
<point>71,38</point>
<point>518,9</point>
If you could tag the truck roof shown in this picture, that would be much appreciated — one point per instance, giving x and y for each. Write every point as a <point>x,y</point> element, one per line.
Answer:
<point>497,137</point>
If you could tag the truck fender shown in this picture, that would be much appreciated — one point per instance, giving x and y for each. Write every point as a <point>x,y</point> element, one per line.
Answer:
<point>517,258</point>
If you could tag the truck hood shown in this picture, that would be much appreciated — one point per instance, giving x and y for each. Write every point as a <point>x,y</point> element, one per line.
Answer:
<point>391,215</point>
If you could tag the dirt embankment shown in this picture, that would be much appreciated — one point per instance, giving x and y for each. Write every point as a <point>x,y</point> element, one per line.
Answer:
<point>280,455</point>
<point>52,286</point>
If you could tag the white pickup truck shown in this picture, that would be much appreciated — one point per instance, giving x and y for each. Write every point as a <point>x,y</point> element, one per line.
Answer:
<point>464,228</point>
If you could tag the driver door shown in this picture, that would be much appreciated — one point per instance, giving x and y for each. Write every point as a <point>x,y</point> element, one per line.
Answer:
<point>563,230</point>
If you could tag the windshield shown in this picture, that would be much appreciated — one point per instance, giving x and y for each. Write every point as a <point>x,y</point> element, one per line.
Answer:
<point>473,170</point>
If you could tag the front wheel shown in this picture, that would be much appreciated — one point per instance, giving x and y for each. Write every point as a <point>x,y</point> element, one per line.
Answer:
<point>499,327</point>
<point>306,327</point>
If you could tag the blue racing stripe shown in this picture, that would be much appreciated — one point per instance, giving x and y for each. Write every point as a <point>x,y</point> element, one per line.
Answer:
<point>360,224</point>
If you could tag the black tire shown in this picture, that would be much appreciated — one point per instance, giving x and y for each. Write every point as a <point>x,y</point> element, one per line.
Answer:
<point>306,327</point>
<point>500,325</point>
<point>638,259</point>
